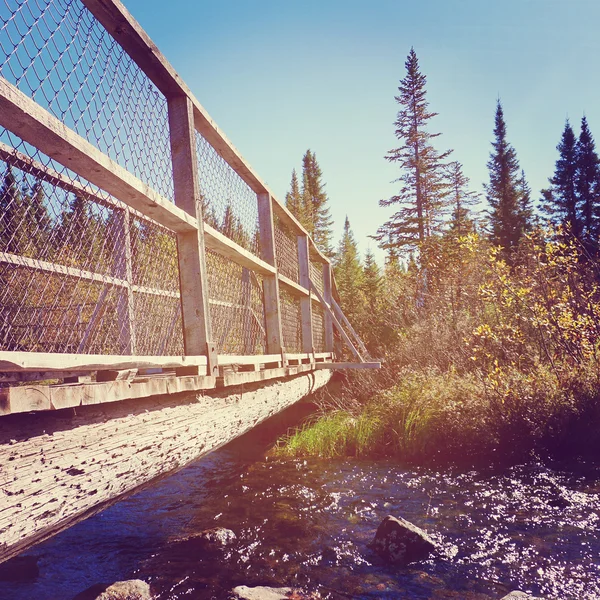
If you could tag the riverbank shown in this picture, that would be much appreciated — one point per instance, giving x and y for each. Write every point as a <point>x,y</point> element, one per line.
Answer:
<point>430,417</point>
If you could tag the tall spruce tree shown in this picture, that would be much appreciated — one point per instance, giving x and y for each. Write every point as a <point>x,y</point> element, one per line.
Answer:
<point>314,205</point>
<point>10,201</point>
<point>461,200</point>
<point>587,182</point>
<point>423,186</point>
<point>525,203</point>
<point>349,275</point>
<point>293,199</point>
<point>504,192</point>
<point>560,200</point>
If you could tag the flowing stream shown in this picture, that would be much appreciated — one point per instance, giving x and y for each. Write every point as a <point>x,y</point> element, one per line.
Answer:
<point>307,523</point>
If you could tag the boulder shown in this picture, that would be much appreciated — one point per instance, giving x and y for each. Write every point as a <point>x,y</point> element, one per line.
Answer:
<point>261,592</point>
<point>134,589</point>
<point>401,542</point>
<point>518,595</point>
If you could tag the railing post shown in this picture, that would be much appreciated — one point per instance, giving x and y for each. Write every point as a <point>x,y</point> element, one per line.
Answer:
<point>327,296</point>
<point>270,282</point>
<point>306,302</point>
<point>193,281</point>
<point>124,270</point>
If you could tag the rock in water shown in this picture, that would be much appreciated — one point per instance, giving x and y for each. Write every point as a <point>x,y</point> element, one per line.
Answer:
<point>401,542</point>
<point>243,592</point>
<point>134,589</point>
<point>518,595</point>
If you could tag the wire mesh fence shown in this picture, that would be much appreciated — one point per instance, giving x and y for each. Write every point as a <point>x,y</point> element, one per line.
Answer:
<point>236,307</point>
<point>291,321</point>
<point>228,203</point>
<point>286,248</point>
<point>82,272</point>
<point>56,53</point>
<point>71,260</point>
<point>318,327</point>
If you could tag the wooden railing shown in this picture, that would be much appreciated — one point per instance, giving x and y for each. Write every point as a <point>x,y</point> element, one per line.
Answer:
<point>55,154</point>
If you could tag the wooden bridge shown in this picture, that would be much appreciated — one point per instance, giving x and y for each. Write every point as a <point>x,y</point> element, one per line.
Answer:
<point>156,299</point>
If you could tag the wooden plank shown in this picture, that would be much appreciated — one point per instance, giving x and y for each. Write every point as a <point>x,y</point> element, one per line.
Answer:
<point>124,270</point>
<point>292,287</point>
<point>29,165</point>
<point>25,118</point>
<point>328,323</point>
<point>234,359</point>
<point>340,314</point>
<point>45,361</point>
<point>193,280</point>
<point>222,245</point>
<point>337,323</point>
<point>348,365</point>
<point>57,474</point>
<point>305,302</point>
<point>270,282</point>
<point>40,265</point>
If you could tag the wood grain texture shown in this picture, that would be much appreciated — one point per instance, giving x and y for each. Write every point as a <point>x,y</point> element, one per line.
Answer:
<point>55,472</point>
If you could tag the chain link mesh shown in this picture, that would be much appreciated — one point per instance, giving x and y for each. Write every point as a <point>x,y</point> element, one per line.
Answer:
<point>228,203</point>
<point>56,53</point>
<point>316,275</point>
<point>318,327</point>
<point>291,321</point>
<point>71,261</point>
<point>236,307</point>
<point>286,248</point>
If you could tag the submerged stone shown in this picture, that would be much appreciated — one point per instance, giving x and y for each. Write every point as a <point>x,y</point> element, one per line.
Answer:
<point>400,542</point>
<point>261,592</point>
<point>20,568</point>
<point>134,589</point>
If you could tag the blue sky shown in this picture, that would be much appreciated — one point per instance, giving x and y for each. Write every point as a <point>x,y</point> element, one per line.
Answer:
<point>280,77</point>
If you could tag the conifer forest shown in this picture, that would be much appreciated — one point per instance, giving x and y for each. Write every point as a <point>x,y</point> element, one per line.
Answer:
<point>486,312</point>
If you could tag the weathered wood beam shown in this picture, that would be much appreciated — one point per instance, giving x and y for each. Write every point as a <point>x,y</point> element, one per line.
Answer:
<point>270,282</point>
<point>340,315</point>
<point>193,279</point>
<point>46,361</point>
<point>222,245</point>
<point>305,302</point>
<point>24,117</point>
<point>58,472</point>
<point>337,324</point>
<point>327,296</point>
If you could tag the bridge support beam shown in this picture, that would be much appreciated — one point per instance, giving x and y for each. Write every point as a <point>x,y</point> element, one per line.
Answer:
<point>57,471</point>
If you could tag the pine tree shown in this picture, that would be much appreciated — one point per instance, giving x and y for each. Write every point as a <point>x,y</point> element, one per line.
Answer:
<point>587,185</point>
<point>10,200</point>
<point>461,199</point>
<point>372,279</point>
<point>314,205</point>
<point>507,218</point>
<point>561,201</point>
<point>525,204</point>
<point>293,200</point>
<point>423,186</point>
<point>349,275</point>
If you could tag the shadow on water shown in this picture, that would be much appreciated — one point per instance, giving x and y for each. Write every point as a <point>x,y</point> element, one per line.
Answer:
<point>306,523</point>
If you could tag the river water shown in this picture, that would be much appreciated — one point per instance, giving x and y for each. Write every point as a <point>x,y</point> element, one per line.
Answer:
<point>307,523</point>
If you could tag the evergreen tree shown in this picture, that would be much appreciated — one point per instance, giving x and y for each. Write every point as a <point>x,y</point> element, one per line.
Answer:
<point>314,205</point>
<point>293,201</point>
<point>372,280</point>
<point>561,201</point>
<point>423,185</point>
<point>462,199</point>
<point>10,200</point>
<point>507,216</point>
<point>525,203</point>
<point>349,275</point>
<point>587,185</point>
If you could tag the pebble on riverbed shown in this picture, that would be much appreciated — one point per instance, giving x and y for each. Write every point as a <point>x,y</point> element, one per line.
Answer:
<point>400,542</point>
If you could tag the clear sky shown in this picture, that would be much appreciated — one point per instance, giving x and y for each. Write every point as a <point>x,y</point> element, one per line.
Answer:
<point>280,77</point>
